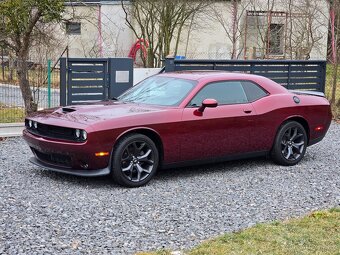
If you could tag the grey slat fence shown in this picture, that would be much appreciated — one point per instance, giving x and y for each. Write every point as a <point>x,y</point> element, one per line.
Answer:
<point>85,80</point>
<point>292,74</point>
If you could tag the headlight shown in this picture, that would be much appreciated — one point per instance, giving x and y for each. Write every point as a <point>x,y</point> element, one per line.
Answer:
<point>80,134</point>
<point>30,123</point>
<point>77,133</point>
<point>35,124</point>
<point>83,135</point>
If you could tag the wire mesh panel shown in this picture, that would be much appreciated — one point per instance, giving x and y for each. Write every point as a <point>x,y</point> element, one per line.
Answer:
<point>12,108</point>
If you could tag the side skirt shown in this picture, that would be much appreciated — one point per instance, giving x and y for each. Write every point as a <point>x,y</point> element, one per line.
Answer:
<point>216,160</point>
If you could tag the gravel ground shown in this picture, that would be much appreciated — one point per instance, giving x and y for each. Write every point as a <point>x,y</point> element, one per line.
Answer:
<point>43,212</point>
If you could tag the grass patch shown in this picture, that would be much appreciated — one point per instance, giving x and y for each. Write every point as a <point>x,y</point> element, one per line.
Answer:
<point>328,90</point>
<point>317,233</point>
<point>11,114</point>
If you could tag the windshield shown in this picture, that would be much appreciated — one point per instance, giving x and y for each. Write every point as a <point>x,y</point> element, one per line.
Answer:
<point>159,90</point>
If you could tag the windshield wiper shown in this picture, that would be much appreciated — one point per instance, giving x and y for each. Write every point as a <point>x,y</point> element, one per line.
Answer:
<point>114,98</point>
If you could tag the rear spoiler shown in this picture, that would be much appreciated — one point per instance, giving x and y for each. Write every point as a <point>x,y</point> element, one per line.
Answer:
<point>306,92</point>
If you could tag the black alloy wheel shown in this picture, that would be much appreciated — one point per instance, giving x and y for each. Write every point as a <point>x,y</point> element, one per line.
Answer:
<point>290,144</point>
<point>135,160</point>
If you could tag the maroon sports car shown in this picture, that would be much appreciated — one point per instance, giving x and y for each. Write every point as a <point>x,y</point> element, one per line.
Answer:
<point>177,119</point>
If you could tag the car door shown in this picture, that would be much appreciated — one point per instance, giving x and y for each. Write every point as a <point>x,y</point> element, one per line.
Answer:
<point>261,134</point>
<point>220,131</point>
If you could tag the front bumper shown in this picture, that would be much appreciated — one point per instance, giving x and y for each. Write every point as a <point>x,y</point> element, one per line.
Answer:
<point>69,157</point>
<point>88,173</point>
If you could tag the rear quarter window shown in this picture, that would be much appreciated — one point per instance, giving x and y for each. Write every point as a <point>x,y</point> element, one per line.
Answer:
<point>253,91</point>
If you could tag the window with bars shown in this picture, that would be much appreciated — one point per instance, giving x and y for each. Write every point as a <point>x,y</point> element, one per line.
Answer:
<point>276,39</point>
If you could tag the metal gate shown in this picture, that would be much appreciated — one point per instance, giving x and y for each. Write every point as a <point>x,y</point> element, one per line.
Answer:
<point>292,74</point>
<point>84,80</point>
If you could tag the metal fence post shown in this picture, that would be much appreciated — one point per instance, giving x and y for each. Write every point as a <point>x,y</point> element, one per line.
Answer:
<point>49,82</point>
<point>111,78</point>
<point>169,64</point>
<point>63,73</point>
<point>289,74</point>
<point>252,68</point>
<point>323,76</point>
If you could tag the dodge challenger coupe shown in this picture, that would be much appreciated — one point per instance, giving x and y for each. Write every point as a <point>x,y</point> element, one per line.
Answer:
<point>177,119</point>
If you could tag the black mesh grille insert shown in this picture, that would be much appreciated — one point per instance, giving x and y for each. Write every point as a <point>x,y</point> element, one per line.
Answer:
<point>51,131</point>
<point>56,159</point>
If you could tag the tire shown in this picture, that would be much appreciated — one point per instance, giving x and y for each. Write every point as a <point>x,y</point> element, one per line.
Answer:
<point>134,161</point>
<point>290,144</point>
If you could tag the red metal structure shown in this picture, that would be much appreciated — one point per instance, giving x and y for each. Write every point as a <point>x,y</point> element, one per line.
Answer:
<point>142,45</point>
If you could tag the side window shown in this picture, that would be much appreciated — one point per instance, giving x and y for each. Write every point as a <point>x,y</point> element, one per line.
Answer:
<point>226,92</point>
<point>253,91</point>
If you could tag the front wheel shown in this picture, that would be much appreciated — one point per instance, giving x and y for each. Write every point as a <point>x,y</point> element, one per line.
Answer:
<point>135,160</point>
<point>290,144</point>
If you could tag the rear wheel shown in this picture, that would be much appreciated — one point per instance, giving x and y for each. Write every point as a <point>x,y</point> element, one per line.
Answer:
<point>290,144</point>
<point>135,160</point>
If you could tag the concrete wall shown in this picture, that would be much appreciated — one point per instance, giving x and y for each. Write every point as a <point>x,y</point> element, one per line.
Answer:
<point>206,38</point>
<point>140,74</point>
<point>85,44</point>
<point>117,37</point>
<point>307,25</point>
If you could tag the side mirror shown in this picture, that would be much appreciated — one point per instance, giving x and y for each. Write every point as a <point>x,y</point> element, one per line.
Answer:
<point>211,103</point>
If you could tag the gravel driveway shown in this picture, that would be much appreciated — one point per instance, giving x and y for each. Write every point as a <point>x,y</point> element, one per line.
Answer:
<point>48,213</point>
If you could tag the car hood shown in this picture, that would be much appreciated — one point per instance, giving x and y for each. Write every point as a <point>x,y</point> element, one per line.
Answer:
<point>89,114</point>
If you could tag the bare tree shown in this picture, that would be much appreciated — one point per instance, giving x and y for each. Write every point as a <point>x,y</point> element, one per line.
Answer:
<point>285,28</point>
<point>21,25</point>
<point>231,21</point>
<point>43,46</point>
<point>259,23</point>
<point>160,23</point>
<point>305,30</point>
<point>335,46</point>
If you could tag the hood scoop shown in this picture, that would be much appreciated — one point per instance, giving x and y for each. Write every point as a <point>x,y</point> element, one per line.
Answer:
<point>67,110</point>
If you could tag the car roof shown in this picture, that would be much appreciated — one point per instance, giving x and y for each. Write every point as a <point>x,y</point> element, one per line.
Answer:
<point>198,75</point>
<point>209,76</point>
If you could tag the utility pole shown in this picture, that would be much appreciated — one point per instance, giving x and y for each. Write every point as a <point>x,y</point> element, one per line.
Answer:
<point>100,36</point>
<point>2,52</point>
<point>2,63</point>
<point>335,24</point>
<point>235,26</point>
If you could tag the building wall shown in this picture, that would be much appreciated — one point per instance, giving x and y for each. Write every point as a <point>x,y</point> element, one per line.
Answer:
<point>117,37</point>
<point>206,39</point>
<point>104,32</point>
<point>85,44</point>
<point>305,28</point>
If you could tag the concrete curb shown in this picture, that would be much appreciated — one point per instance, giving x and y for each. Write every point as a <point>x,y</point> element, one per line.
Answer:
<point>11,129</point>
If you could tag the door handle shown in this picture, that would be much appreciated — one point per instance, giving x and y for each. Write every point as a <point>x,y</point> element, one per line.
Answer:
<point>247,111</point>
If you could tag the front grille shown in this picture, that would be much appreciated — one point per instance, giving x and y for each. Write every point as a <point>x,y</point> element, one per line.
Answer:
<point>51,131</point>
<point>56,159</point>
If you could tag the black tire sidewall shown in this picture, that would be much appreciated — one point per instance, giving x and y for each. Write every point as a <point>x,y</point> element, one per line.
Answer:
<point>116,171</point>
<point>276,152</point>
